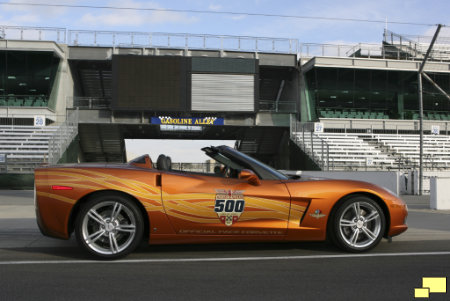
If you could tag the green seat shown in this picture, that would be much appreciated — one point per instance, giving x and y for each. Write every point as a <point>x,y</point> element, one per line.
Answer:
<point>28,102</point>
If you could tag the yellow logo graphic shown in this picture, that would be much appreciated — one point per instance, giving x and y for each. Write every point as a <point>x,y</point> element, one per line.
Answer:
<point>431,285</point>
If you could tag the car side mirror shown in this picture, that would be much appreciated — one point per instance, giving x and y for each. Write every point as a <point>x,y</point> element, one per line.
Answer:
<point>250,177</point>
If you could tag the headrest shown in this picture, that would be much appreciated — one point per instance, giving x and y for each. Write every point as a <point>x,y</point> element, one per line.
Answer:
<point>168,163</point>
<point>161,163</point>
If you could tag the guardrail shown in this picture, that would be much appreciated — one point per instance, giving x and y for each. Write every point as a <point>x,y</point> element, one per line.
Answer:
<point>63,136</point>
<point>303,135</point>
<point>181,41</point>
<point>188,41</point>
<point>33,33</point>
<point>88,102</point>
<point>278,106</point>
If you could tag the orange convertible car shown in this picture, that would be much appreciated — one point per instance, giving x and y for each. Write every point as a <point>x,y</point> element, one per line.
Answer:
<point>111,208</point>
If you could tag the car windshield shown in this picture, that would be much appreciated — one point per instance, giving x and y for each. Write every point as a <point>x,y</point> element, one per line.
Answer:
<point>237,161</point>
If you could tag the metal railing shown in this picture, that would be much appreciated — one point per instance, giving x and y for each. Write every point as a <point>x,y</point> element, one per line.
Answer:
<point>409,49</point>
<point>63,136</point>
<point>416,49</point>
<point>308,50</point>
<point>33,33</point>
<point>280,106</point>
<point>312,145</point>
<point>181,41</point>
<point>73,102</point>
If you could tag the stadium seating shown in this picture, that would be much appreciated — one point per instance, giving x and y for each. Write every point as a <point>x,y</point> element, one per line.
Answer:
<point>352,114</point>
<point>24,100</point>
<point>358,151</point>
<point>435,148</point>
<point>361,114</point>
<point>345,151</point>
<point>25,147</point>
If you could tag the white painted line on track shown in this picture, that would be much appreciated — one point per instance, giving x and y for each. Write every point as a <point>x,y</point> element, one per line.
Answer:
<point>224,259</point>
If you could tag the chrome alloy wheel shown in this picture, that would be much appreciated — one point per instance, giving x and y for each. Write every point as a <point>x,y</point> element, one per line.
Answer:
<point>360,224</point>
<point>108,227</point>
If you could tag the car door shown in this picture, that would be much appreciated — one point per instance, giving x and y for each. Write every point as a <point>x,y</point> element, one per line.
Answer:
<point>211,205</point>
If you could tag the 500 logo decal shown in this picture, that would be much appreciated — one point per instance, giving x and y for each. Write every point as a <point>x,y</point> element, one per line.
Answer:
<point>229,206</point>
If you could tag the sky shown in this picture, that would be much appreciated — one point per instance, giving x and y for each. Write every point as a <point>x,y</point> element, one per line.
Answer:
<point>184,20</point>
<point>305,30</point>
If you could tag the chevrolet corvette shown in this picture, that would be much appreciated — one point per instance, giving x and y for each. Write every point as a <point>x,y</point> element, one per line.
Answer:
<point>111,208</point>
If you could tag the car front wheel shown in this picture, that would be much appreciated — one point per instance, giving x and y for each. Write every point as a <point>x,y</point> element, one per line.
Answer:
<point>358,224</point>
<point>109,226</point>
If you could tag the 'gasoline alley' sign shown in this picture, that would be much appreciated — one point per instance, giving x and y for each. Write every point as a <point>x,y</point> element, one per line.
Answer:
<point>187,121</point>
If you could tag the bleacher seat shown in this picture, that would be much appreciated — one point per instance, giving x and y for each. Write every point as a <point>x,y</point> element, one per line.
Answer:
<point>26,147</point>
<point>352,150</point>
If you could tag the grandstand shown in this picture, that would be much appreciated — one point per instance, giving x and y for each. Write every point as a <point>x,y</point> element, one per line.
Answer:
<point>24,147</point>
<point>268,94</point>
<point>355,151</point>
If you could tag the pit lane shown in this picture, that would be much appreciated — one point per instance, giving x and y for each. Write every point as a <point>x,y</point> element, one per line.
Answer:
<point>52,269</point>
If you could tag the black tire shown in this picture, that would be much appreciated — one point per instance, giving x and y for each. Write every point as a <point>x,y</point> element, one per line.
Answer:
<point>109,226</point>
<point>357,232</point>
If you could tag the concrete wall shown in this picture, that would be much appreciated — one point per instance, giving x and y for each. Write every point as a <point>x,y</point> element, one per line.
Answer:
<point>440,193</point>
<point>427,175</point>
<point>386,179</point>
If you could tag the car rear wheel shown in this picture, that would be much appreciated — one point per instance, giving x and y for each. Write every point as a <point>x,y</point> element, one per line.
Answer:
<point>109,226</point>
<point>358,224</point>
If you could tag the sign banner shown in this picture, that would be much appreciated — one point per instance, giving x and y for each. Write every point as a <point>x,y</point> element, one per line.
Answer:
<point>318,127</point>
<point>435,130</point>
<point>187,121</point>
<point>39,120</point>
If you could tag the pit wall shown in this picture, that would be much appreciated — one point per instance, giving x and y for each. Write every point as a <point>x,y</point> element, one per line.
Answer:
<point>413,179</point>
<point>440,193</point>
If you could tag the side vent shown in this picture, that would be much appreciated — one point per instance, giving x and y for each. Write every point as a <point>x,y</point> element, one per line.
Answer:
<point>158,180</point>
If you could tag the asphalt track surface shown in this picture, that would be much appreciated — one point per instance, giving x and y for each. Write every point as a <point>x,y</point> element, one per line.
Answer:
<point>34,267</point>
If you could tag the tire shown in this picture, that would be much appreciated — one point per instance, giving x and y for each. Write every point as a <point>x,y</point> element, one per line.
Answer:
<point>109,226</point>
<point>357,225</point>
